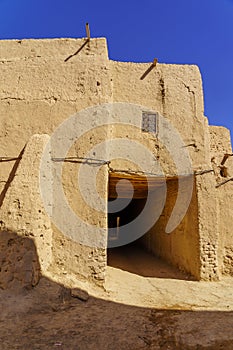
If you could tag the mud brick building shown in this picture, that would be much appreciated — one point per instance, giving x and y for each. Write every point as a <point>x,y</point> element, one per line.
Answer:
<point>43,84</point>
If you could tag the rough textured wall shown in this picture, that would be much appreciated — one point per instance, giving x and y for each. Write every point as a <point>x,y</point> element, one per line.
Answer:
<point>207,226</point>
<point>39,89</point>
<point>71,255</point>
<point>22,209</point>
<point>223,171</point>
<point>20,267</point>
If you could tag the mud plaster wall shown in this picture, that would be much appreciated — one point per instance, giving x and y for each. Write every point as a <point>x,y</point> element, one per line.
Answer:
<point>20,267</point>
<point>176,93</point>
<point>38,90</point>
<point>221,145</point>
<point>22,210</point>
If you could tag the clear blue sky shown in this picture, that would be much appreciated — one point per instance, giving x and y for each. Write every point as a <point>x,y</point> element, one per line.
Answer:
<point>175,31</point>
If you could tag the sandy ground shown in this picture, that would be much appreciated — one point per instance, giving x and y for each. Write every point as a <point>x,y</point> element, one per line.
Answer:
<point>146,305</point>
<point>136,277</point>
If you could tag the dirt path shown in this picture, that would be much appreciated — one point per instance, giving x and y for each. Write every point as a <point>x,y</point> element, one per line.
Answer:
<point>134,313</point>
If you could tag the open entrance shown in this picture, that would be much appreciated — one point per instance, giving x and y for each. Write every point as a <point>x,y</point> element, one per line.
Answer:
<point>154,253</point>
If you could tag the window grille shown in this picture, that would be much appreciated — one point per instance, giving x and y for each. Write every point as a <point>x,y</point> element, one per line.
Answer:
<point>149,122</point>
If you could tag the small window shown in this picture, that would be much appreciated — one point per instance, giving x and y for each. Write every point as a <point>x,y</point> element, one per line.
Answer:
<point>149,122</point>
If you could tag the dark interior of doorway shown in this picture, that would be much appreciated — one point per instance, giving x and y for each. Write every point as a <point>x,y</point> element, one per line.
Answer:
<point>134,257</point>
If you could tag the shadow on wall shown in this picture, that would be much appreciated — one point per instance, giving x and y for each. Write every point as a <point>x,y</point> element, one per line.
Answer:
<point>19,262</point>
<point>12,174</point>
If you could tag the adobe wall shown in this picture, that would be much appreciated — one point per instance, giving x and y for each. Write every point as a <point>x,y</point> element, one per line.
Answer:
<point>175,92</point>
<point>23,220</point>
<point>40,88</point>
<point>223,170</point>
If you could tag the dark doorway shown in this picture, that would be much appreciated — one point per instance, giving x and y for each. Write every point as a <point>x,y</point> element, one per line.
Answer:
<point>130,211</point>
<point>155,253</point>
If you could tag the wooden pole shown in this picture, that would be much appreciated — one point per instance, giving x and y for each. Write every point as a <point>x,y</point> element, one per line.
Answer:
<point>88,32</point>
<point>118,226</point>
<point>155,61</point>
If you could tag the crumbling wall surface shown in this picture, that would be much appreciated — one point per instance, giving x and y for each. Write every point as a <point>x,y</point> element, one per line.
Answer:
<point>39,88</point>
<point>20,267</point>
<point>221,151</point>
<point>73,261</point>
<point>222,161</point>
<point>208,226</point>
<point>22,209</point>
<point>23,212</point>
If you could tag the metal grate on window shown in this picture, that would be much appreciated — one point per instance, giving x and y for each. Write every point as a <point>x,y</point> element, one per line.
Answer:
<point>149,122</point>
